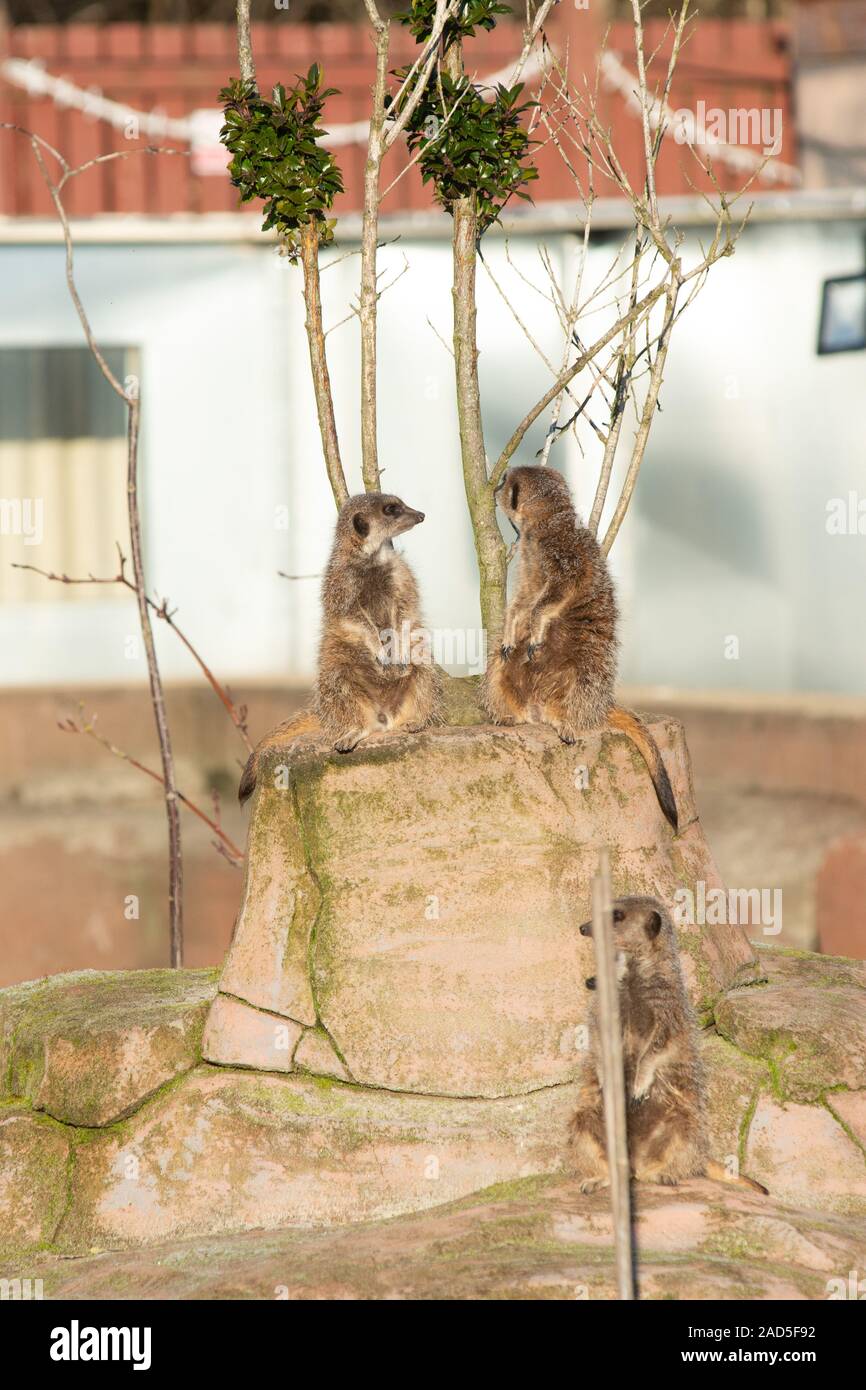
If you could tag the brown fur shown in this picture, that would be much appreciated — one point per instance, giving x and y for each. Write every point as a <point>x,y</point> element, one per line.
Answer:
<point>557,663</point>
<point>664,1075</point>
<point>367,682</point>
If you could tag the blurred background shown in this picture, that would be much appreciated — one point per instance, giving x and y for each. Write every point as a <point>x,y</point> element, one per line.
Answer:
<point>740,566</point>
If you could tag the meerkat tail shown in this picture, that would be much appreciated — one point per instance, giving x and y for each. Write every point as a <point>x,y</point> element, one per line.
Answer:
<point>719,1173</point>
<point>627,723</point>
<point>303,723</point>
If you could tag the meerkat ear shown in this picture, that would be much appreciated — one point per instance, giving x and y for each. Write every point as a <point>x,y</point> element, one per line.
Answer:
<point>515,489</point>
<point>361,524</point>
<point>653,925</point>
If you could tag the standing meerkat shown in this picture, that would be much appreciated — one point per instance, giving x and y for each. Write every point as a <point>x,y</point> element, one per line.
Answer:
<point>666,1116</point>
<point>557,661</point>
<point>376,671</point>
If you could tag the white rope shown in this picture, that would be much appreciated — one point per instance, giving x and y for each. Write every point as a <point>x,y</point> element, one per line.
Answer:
<point>199,128</point>
<point>693,132</point>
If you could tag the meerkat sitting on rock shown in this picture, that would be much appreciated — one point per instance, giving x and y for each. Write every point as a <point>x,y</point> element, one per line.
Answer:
<point>557,661</point>
<point>376,672</point>
<point>668,1137</point>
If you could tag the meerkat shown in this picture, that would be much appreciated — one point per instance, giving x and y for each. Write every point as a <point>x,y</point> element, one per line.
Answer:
<point>558,658</point>
<point>375,671</point>
<point>666,1115</point>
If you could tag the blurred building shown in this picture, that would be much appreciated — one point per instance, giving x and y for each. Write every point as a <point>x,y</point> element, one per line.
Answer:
<point>740,566</point>
<point>757,437</point>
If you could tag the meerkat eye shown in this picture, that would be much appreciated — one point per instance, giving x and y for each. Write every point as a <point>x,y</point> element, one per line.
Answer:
<point>391,509</point>
<point>619,915</point>
<point>514,491</point>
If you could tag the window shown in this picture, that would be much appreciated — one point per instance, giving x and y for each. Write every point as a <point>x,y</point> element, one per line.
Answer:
<point>62,471</point>
<point>843,315</point>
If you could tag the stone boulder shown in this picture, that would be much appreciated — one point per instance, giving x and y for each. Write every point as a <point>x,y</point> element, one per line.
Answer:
<point>409,916</point>
<point>88,1048</point>
<point>216,1150</point>
<point>538,1239</point>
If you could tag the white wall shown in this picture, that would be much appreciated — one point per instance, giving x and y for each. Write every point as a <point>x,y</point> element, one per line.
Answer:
<point>727,531</point>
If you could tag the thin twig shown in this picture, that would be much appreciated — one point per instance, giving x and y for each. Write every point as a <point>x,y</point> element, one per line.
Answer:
<point>69,726</point>
<point>613,1077</point>
<point>236,713</point>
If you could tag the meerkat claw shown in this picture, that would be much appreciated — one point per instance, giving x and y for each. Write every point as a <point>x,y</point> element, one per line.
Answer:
<point>505,651</point>
<point>349,741</point>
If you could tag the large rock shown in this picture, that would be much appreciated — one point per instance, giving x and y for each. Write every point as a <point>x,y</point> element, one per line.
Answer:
<point>417,902</point>
<point>34,1162</point>
<point>230,1150</point>
<point>88,1048</point>
<point>538,1239</point>
<point>805,1157</point>
<point>217,1149</point>
<point>808,1022</point>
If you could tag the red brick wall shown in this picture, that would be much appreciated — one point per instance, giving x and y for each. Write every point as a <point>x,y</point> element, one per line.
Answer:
<point>179,68</point>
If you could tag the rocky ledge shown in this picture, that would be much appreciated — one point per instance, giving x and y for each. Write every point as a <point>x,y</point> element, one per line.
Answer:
<point>114,1133</point>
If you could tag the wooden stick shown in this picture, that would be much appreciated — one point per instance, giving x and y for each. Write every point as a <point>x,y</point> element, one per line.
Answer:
<point>157,696</point>
<point>613,1080</point>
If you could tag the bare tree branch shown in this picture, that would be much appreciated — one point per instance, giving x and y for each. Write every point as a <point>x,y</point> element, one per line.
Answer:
<point>236,713</point>
<point>70,726</point>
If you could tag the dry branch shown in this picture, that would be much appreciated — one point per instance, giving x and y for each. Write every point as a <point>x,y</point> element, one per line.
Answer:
<point>131,399</point>
<point>237,713</point>
<point>227,847</point>
<point>613,1076</point>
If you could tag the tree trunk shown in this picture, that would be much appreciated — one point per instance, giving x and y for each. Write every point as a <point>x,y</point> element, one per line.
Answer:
<point>489,546</point>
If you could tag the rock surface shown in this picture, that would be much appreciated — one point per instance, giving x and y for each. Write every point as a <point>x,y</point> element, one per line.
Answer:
<point>216,1150</point>
<point>534,1240</point>
<point>418,901</point>
<point>229,1150</point>
<point>34,1157</point>
<point>808,1022</point>
<point>88,1048</point>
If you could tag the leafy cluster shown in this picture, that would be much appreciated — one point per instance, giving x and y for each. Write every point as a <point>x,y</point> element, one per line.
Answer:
<point>473,14</point>
<point>276,157</point>
<point>480,148</point>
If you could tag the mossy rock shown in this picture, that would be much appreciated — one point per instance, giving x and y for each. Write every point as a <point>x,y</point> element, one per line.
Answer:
<point>534,1240</point>
<point>226,1150</point>
<point>89,1047</point>
<point>808,1022</point>
<point>418,901</point>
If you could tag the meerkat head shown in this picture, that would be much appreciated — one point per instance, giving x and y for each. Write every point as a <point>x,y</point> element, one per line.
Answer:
<point>373,519</point>
<point>641,929</point>
<point>530,494</point>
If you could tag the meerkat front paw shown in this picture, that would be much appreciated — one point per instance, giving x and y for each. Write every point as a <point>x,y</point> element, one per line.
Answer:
<point>348,741</point>
<point>532,648</point>
<point>505,651</point>
<point>590,1185</point>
